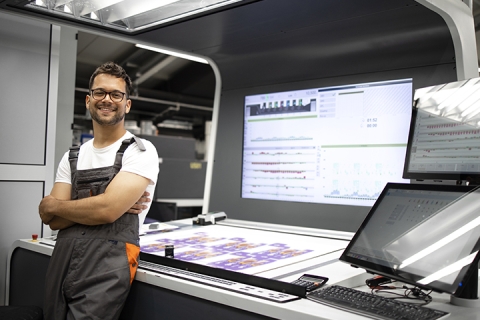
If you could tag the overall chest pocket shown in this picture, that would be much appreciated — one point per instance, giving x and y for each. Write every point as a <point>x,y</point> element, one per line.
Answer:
<point>92,186</point>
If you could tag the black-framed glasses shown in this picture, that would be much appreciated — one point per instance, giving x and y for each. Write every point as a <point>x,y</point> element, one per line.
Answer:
<point>100,94</point>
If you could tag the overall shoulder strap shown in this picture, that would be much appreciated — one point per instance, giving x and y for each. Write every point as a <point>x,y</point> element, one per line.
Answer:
<point>73,158</point>
<point>125,144</point>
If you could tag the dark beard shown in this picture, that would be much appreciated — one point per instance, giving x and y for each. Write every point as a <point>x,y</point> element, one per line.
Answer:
<point>113,121</point>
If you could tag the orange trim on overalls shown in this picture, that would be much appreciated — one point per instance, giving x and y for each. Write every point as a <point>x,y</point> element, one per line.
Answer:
<point>132,254</point>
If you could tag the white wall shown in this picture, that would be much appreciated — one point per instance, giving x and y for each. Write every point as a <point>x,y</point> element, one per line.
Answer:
<point>37,74</point>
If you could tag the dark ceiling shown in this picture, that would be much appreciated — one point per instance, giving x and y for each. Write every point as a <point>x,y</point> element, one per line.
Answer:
<point>254,43</point>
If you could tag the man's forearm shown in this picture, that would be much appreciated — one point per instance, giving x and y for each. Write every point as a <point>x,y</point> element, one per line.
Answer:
<point>88,211</point>
<point>59,223</point>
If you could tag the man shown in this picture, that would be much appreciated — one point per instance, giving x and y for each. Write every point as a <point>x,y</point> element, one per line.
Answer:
<point>98,203</point>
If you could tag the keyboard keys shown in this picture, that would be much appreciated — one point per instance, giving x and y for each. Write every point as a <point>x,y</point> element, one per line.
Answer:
<point>371,305</point>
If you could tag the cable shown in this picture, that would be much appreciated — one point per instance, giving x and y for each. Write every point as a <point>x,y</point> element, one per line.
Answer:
<point>414,293</point>
<point>418,294</point>
<point>380,284</point>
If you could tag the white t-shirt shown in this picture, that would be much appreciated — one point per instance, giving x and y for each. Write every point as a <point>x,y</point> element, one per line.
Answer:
<point>143,163</point>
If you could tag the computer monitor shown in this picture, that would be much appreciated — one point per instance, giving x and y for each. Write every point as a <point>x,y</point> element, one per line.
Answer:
<point>334,145</point>
<point>424,235</point>
<point>444,138</point>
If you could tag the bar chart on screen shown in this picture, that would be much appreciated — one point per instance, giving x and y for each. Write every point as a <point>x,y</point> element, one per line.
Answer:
<point>361,178</point>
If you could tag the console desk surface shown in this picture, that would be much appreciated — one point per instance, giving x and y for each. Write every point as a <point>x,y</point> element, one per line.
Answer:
<point>326,264</point>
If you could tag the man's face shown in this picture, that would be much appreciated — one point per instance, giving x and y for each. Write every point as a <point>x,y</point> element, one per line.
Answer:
<point>106,111</point>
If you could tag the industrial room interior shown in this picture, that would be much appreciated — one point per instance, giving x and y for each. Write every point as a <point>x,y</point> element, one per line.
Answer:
<point>194,113</point>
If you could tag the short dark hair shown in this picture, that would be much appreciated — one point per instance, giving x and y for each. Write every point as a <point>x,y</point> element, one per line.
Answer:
<point>115,70</point>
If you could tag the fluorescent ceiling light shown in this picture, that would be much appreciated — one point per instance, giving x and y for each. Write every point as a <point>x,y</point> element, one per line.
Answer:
<point>126,15</point>
<point>172,53</point>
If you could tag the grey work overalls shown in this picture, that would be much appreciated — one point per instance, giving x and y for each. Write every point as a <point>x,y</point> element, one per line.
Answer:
<point>92,267</point>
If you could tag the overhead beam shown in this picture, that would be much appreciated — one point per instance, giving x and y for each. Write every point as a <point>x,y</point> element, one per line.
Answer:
<point>156,68</point>
<point>459,18</point>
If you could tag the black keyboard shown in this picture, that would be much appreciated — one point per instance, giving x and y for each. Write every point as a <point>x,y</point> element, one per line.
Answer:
<point>372,305</point>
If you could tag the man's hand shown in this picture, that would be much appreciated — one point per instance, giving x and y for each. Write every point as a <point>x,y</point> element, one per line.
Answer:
<point>139,206</point>
<point>43,209</point>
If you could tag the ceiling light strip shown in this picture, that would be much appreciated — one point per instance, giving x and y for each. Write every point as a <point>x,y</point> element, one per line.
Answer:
<point>173,53</point>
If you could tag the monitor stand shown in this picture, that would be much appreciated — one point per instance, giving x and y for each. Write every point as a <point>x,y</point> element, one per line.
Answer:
<point>468,297</point>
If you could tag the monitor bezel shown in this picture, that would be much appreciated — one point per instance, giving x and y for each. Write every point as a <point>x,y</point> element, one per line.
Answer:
<point>390,273</point>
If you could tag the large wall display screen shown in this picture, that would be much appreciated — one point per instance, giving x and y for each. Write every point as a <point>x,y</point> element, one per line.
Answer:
<point>337,145</point>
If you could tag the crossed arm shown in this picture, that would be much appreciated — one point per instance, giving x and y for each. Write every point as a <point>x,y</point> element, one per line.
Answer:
<point>125,193</point>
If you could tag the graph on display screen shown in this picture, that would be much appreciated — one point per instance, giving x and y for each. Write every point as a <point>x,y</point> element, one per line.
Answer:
<point>337,145</point>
